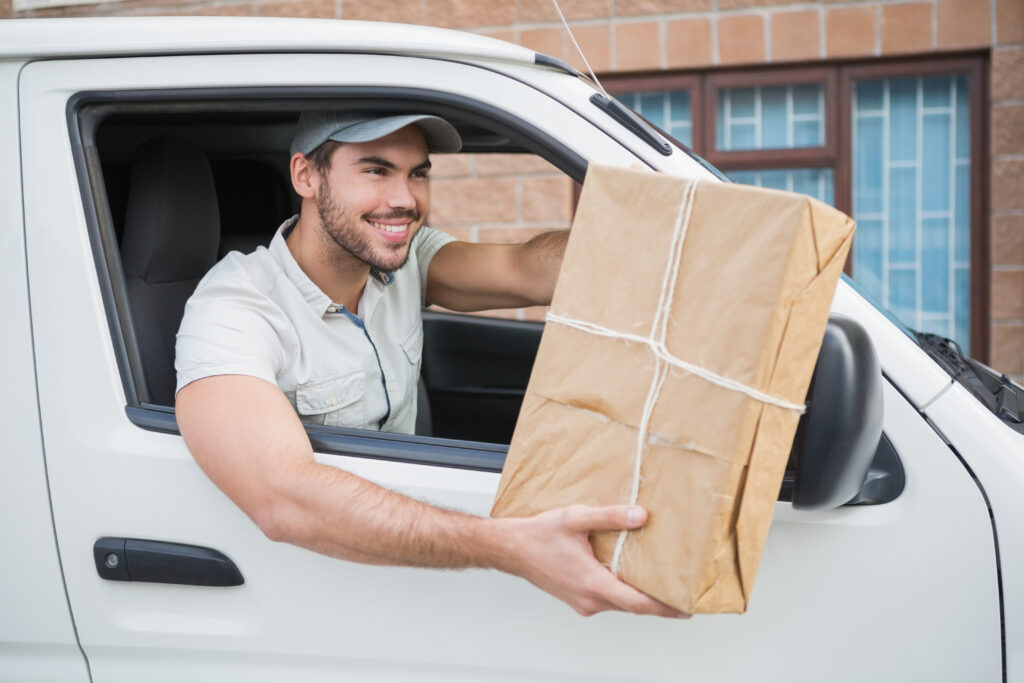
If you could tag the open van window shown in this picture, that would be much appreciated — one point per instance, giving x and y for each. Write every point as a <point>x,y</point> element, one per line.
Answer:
<point>508,184</point>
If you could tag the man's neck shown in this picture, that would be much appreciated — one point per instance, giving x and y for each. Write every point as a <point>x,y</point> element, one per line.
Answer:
<point>337,273</point>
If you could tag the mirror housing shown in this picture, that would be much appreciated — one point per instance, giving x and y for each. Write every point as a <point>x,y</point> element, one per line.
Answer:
<point>839,434</point>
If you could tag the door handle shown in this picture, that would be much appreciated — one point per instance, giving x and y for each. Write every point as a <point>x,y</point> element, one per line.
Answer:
<point>131,559</point>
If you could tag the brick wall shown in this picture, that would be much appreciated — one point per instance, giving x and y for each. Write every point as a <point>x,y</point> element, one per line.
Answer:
<point>645,35</point>
<point>499,198</point>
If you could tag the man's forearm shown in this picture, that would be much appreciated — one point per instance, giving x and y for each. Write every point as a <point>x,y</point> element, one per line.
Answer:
<point>336,513</point>
<point>540,260</point>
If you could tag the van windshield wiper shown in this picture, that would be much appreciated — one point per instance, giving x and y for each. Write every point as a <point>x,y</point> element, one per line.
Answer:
<point>1000,394</point>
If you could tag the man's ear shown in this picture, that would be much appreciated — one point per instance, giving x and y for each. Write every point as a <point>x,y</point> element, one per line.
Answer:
<point>305,179</point>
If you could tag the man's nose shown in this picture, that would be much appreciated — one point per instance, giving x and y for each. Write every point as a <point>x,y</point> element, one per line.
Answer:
<point>401,196</point>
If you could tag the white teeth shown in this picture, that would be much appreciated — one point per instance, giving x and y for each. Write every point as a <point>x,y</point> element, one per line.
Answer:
<point>390,228</point>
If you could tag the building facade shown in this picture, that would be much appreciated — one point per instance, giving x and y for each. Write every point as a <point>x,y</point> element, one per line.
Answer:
<point>908,115</point>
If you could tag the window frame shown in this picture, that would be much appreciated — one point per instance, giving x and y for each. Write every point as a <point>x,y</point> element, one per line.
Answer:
<point>980,261</point>
<point>86,111</point>
<point>793,157</point>
<point>838,78</point>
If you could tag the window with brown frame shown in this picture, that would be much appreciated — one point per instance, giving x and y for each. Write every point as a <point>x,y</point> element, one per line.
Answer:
<point>898,145</point>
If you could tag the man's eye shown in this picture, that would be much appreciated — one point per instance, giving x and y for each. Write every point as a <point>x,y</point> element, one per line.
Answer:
<point>377,170</point>
<point>420,174</point>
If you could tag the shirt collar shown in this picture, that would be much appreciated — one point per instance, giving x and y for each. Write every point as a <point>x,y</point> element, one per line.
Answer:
<point>314,296</point>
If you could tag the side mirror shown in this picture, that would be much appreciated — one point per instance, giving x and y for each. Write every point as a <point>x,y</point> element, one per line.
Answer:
<point>837,438</point>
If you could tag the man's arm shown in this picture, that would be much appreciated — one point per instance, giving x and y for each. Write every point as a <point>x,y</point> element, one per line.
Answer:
<point>247,438</point>
<point>466,276</point>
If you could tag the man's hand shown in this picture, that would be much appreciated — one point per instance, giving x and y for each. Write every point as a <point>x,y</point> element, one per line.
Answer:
<point>552,551</point>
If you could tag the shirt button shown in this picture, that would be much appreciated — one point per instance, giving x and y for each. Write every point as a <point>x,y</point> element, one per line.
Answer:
<point>332,401</point>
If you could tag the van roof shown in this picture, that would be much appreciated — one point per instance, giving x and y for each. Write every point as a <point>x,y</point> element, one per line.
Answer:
<point>128,36</point>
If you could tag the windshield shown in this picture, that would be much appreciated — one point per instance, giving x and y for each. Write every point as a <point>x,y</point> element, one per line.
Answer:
<point>911,334</point>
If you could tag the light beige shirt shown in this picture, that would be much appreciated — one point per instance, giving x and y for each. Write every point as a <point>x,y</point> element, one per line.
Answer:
<point>260,315</point>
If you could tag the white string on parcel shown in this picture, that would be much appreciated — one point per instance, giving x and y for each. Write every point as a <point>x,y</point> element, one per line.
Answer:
<point>663,358</point>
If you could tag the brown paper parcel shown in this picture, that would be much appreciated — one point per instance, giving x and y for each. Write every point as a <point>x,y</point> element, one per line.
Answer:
<point>749,275</point>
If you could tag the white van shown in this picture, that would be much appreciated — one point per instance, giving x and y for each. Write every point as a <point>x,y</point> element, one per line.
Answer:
<point>125,563</point>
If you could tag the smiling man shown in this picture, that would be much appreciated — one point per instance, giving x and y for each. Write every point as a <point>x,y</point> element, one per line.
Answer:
<point>324,327</point>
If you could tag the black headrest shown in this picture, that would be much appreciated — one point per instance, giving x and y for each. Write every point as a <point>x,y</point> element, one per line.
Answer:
<point>172,225</point>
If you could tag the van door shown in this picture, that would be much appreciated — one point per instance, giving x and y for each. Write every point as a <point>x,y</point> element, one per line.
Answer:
<point>37,636</point>
<point>908,588</point>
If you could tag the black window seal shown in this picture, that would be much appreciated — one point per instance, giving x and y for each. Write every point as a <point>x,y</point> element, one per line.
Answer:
<point>418,450</point>
<point>85,112</point>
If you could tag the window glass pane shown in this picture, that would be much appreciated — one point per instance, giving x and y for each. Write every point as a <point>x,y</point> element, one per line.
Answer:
<point>935,273</point>
<point>903,109</point>
<point>807,99</point>
<point>774,128</point>
<point>963,132</point>
<point>868,164</point>
<point>868,262</point>
<point>936,163</point>
<point>902,215</point>
<point>962,216</point>
<point>745,177</point>
<point>776,179</point>
<point>680,124</point>
<point>770,117</point>
<point>743,102</point>
<point>669,111</point>
<point>653,108</point>
<point>869,95</point>
<point>817,182</point>
<point>743,135</point>
<point>807,134</point>
<point>962,306</point>
<point>903,295</point>
<point>911,196</point>
<point>936,91</point>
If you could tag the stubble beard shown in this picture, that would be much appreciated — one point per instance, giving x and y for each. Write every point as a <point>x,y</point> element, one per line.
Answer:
<point>348,232</point>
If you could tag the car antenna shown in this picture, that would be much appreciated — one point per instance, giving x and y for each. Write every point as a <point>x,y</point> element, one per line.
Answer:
<point>577,46</point>
<point>612,106</point>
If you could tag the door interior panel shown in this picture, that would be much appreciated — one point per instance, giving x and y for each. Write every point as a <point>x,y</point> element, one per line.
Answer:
<point>476,370</point>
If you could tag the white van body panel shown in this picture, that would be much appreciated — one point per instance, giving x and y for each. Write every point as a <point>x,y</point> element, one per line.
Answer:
<point>995,454</point>
<point>37,638</point>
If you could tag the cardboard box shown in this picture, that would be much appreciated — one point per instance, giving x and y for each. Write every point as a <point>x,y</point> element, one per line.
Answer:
<point>672,371</point>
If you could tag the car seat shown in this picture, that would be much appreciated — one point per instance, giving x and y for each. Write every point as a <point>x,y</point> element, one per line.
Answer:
<point>172,228</point>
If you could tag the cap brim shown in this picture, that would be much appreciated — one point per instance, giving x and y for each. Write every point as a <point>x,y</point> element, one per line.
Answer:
<point>440,135</point>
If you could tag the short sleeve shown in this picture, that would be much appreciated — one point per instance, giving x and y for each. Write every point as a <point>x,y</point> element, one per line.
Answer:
<point>426,244</point>
<point>228,328</point>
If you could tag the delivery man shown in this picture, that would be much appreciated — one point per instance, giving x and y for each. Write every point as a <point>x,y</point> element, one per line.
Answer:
<point>319,328</point>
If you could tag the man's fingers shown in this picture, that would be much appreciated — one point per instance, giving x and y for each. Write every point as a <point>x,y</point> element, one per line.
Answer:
<point>584,519</point>
<point>621,596</point>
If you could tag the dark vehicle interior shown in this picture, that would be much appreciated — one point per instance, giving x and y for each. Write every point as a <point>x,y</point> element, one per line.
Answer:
<point>176,186</point>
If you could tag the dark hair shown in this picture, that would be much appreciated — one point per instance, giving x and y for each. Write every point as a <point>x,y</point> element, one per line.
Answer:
<point>321,156</point>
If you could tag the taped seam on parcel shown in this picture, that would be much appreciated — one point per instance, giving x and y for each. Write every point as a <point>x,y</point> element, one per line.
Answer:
<point>653,439</point>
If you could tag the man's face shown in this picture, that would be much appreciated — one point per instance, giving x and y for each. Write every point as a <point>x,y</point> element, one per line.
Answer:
<point>375,197</point>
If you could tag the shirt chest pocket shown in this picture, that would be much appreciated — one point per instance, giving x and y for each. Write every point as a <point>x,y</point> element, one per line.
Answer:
<point>413,348</point>
<point>404,398</point>
<point>336,401</point>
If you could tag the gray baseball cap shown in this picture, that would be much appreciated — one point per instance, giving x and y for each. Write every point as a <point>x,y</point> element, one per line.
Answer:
<point>317,127</point>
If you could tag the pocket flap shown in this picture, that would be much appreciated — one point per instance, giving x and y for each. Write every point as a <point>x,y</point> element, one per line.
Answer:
<point>327,395</point>
<point>413,345</point>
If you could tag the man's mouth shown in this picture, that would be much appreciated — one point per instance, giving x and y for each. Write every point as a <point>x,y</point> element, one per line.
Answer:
<point>392,229</point>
